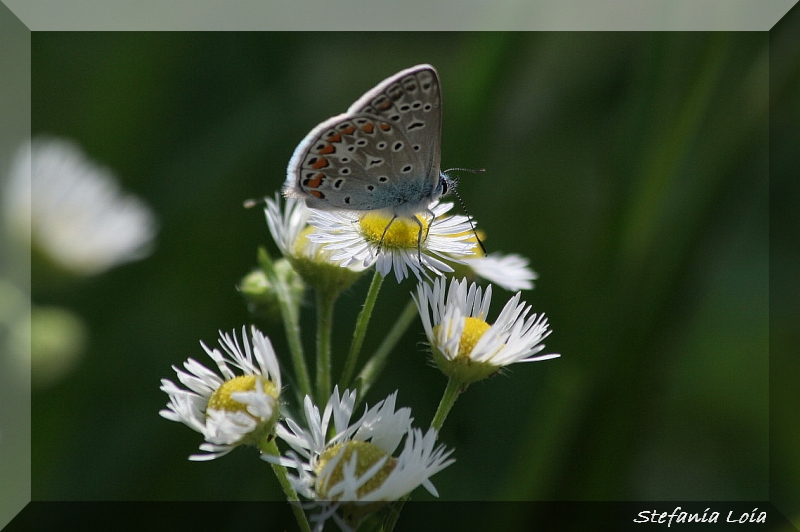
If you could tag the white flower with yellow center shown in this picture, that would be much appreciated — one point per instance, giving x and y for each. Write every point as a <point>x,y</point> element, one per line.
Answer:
<point>353,467</point>
<point>287,223</point>
<point>292,233</point>
<point>228,410</point>
<point>399,244</point>
<point>465,346</point>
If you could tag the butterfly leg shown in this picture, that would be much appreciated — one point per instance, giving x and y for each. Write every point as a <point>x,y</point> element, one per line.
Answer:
<point>428,229</point>
<point>386,229</point>
<point>422,229</point>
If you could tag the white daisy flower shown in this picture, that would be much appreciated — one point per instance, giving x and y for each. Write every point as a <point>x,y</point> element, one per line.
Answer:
<point>292,233</point>
<point>353,467</point>
<point>399,244</point>
<point>77,213</point>
<point>464,345</point>
<point>228,410</point>
<point>287,224</point>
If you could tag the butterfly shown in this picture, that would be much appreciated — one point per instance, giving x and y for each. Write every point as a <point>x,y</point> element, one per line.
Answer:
<point>382,154</point>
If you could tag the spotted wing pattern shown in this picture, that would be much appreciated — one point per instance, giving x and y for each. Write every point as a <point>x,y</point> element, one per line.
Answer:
<point>383,152</point>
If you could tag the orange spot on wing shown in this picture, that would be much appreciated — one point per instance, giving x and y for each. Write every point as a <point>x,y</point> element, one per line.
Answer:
<point>327,149</point>
<point>314,182</point>
<point>322,162</point>
<point>369,127</point>
<point>317,194</point>
<point>349,130</point>
<point>384,126</point>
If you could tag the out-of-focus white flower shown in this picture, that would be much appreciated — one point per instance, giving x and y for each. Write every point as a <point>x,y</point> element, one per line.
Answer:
<point>73,210</point>
<point>508,271</point>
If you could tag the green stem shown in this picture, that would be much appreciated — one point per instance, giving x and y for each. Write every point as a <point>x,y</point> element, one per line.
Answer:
<point>271,448</point>
<point>451,393</point>
<point>291,323</point>
<point>374,366</point>
<point>325,303</point>
<point>361,330</point>
<point>394,514</point>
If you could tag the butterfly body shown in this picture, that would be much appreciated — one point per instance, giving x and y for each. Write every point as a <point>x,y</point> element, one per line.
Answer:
<point>382,154</point>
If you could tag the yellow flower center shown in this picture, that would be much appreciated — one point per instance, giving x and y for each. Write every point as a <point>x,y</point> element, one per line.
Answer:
<point>398,234</point>
<point>474,328</point>
<point>367,455</point>
<point>221,398</point>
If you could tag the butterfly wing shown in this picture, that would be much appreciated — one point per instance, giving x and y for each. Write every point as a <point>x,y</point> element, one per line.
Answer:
<point>411,99</point>
<point>384,152</point>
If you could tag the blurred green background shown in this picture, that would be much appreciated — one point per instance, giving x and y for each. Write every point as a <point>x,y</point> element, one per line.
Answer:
<point>631,168</point>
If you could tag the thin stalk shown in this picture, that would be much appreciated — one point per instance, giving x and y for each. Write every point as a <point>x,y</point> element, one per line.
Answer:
<point>271,448</point>
<point>325,303</point>
<point>291,323</point>
<point>394,514</point>
<point>451,393</point>
<point>374,366</point>
<point>361,330</point>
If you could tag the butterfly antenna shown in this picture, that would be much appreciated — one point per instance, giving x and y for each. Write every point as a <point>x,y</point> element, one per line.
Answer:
<point>463,206</point>
<point>469,217</point>
<point>470,170</point>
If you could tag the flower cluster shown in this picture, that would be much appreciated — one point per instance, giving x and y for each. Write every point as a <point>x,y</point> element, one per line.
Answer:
<point>347,466</point>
